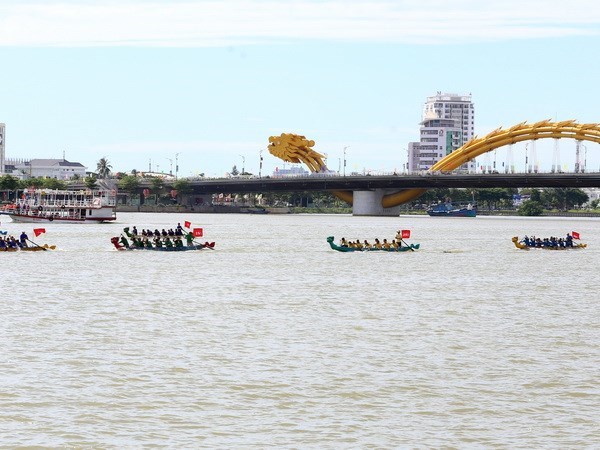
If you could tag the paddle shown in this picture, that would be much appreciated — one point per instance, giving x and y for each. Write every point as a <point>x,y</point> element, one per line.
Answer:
<point>43,248</point>
<point>411,249</point>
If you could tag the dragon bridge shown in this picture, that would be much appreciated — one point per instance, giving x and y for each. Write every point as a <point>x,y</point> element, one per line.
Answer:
<point>294,148</point>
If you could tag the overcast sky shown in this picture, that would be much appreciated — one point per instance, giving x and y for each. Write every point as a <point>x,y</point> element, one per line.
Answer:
<point>206,83</point>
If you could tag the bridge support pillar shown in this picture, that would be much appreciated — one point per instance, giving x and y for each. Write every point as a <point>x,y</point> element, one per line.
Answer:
<point>368,203</point>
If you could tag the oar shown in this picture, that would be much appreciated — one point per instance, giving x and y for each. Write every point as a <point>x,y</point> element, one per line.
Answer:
<point>43,248</point>
<point>411,249</point>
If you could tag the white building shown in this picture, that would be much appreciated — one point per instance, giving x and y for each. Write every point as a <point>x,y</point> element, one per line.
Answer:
<point>448,122</point>
<point>61,169</point>
<point>439,137</point>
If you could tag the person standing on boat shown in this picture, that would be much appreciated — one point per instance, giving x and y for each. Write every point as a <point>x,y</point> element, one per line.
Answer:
<point>189,237</point>
<point>569,240</point>
<point>23,238</point>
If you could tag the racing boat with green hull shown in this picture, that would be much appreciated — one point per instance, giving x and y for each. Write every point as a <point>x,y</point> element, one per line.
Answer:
<point>207,245</point>
<point>160,242</point>
<point>376,247</point>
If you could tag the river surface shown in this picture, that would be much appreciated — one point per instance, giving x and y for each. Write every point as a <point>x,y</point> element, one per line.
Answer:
<point>275,340</point>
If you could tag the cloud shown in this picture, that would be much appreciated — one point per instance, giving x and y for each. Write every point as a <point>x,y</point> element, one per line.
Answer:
<point>182,23</point>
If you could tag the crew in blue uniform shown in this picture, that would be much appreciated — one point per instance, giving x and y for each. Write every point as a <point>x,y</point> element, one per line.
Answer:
<point>23,238</point>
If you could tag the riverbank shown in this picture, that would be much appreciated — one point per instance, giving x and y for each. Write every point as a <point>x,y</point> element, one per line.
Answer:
<point>221,209</point>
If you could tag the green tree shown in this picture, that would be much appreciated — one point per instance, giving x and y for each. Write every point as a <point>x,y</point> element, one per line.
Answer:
<point>9,182</point>
<point>234,171</point>
<point>129,183</point>
<point>90,182</point>
<point>34,183</point>
<point>103,168</point>
<point>531,208</point>
<point>53,183</point>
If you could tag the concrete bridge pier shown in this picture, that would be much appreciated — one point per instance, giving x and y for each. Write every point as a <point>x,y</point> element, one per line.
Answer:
<point>368,203</point>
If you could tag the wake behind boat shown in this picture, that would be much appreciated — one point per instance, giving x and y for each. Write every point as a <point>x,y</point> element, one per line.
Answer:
<point>62,206</point>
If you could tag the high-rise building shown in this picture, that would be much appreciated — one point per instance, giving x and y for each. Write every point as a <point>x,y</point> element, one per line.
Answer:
<point>448,122</point>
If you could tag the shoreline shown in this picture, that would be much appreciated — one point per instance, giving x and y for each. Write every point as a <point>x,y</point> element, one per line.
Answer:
<point>219,209</point>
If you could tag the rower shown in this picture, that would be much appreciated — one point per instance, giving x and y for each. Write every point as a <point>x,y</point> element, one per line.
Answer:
<point>23,239</point>
<point>189,237</point>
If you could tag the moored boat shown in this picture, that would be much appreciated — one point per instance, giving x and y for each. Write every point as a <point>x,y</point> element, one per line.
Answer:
<point>452,210</point>
<point>62,206</point>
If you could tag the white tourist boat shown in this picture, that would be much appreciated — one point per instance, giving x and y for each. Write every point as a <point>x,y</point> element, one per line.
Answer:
<point>61,206</point>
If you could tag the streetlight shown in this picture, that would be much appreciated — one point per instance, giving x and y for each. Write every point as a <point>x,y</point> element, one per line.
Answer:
<point>260,160</point>
<point>526,160</point>
<point>171,161</point>
<point>176,164</point>
<point>243,164</point>
<point>345,159</point>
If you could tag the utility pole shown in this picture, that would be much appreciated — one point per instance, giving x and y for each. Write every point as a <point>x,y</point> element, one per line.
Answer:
<point>345,159</point>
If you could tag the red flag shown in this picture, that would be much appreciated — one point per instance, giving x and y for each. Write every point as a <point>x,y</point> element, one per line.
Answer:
<point>187,224</point>
<point>575,234</point>
<point>198,232</point>
<point>38,231</point>
<point>405,234</point>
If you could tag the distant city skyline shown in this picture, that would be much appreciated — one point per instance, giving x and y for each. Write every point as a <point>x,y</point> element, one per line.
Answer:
<point>210,82</point>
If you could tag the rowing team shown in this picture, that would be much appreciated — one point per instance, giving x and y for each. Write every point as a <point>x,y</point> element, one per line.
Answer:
<point>552,241</point>
<point>11,242</point>
<point>376,245</point>
<point>156,242</point>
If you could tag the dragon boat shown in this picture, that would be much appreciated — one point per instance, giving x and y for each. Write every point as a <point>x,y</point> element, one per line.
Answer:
<point>39,248</point>
<point>520,245</point>
<point>158,242</point>
<point>208,245</point>
<point>342,248</point>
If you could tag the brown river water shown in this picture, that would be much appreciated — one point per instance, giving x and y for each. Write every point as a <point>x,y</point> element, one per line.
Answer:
<point>275,340</point>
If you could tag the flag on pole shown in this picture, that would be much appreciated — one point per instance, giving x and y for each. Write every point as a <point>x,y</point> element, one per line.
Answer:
<point>575,234</point>
<point>38,231</point>
<point>187,224</point>
<point>405,234</point>
<point>197,232</point>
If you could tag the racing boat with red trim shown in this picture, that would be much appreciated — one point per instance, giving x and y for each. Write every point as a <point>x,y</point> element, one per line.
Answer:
<point>62,206</point>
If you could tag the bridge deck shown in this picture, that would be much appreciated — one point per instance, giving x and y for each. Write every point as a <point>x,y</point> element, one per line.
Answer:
<point>427,181</point>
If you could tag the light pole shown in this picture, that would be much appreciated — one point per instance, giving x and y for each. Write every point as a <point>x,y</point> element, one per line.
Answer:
<point>171,161</point>
<point>176,164</point>
<point>243,164</point>
<point>526,160</point>
<point>345,159</point>
<point>260,160</point>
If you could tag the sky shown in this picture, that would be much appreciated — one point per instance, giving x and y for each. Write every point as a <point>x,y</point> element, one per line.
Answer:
<point>201,85</point>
